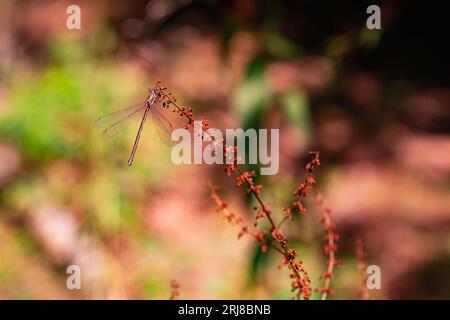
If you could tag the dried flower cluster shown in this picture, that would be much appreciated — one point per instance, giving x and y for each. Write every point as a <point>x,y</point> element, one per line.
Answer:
<point>272,238</point>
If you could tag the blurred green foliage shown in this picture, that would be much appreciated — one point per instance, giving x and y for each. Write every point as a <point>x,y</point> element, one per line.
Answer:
<point>49,116</point>
<point>252,96</point>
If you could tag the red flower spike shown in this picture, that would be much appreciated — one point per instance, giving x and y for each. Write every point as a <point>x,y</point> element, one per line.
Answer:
<point>300,281</point>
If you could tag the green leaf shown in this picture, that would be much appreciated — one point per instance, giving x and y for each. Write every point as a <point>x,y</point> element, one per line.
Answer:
<point>252,96</point>
<point>295,106</point>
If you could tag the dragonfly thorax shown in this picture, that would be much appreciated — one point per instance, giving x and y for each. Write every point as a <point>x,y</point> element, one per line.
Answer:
<point>154,94</point>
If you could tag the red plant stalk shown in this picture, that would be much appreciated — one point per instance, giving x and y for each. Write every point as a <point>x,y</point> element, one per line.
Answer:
<point>300,280</point>
<point>330,247</point>
<point>174,290</point>
<point>360,252</point>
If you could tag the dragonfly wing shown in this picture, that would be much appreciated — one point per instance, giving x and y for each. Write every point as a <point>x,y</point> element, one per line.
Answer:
<point>117,127</point>
<point>162,126</point>
<point>114,122</point>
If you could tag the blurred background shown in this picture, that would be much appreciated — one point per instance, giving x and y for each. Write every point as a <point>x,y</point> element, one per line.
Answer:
<point>374,102</point>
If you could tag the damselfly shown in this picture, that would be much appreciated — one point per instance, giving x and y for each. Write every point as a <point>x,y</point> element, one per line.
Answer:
<point>114,122</point>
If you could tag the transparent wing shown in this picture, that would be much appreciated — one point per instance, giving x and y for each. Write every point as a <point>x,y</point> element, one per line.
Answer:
<point>113,123</point>
<point>162,126</point>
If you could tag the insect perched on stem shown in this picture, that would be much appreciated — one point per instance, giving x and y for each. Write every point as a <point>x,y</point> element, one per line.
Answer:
<point>114,122</point>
